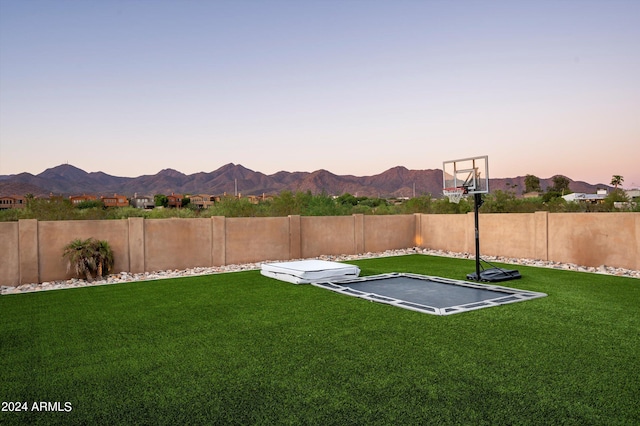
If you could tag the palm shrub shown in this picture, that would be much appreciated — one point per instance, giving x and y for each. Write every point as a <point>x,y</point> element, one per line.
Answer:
<point>89,257</point>
<point>79,255</point>
<point>103,256</point>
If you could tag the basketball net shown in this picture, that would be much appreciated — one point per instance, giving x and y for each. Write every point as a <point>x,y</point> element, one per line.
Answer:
<point>454,194</point>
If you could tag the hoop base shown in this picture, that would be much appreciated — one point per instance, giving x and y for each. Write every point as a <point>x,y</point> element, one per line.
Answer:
<point>495,275</point>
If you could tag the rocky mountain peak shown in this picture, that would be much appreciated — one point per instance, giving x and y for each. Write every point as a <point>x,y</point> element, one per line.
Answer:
<point>395,182</point>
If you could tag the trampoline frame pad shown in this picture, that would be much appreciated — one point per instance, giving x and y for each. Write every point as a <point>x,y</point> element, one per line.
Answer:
<point>496,295</point>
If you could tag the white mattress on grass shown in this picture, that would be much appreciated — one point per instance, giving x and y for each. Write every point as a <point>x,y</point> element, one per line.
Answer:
<point>309,271</point>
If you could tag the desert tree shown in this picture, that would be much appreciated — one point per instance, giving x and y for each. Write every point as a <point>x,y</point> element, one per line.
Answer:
<point>161,200</point>
<point>560,184</point>
<point>532,184</point>
<point>559,188</point>
<point>616,180</point>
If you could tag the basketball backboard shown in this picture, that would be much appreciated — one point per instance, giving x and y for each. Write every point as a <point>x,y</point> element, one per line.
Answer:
<point>472,174</point>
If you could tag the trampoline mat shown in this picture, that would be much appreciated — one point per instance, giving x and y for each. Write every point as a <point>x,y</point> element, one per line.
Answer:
<point>435,295</point>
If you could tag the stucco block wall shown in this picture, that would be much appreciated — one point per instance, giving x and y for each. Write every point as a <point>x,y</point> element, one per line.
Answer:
<point>388,232</point>
<point>32,250</point>
<point>330,235</point>
<point>507,235</point>
<point>136,245</point>
<point>590,239</point>
<point>449,232</point>
<point>257,239</point>
<point>177,243</point>
<point>9,253</point>
<point>28,243</point>
<point>541,235</point>
<point>54,235</point>
<point>218,241</point>
<point>611,239</point>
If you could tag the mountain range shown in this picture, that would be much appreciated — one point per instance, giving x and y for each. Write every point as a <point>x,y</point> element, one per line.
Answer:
<point>398,181</point>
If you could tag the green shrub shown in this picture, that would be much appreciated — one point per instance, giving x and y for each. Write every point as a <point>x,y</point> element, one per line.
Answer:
<point>89,258</point>
<point>89,204</point>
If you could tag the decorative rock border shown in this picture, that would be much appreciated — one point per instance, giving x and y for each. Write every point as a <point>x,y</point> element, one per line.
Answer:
<point>125,277</point>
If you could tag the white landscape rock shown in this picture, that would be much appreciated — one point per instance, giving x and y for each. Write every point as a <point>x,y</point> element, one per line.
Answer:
<point>125,277</point>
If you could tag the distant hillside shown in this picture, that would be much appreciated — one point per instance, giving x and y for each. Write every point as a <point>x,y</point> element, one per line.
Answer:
<point>517,185</point>
<point>8,187</point>
<point>395,182</point>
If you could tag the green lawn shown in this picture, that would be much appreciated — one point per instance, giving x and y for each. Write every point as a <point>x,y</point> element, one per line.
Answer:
<point>243,349</point>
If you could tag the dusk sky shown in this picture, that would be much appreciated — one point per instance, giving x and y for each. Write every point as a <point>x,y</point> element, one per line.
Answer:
<point>354,87</point>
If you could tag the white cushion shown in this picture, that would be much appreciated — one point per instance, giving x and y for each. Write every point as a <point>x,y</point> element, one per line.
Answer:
<point>309,271</point>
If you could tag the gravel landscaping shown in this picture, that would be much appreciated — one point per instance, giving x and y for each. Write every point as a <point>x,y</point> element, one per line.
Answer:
<point>125,277</point>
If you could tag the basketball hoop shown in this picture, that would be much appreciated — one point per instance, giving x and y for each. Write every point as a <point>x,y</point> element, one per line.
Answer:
<point>454,194</point>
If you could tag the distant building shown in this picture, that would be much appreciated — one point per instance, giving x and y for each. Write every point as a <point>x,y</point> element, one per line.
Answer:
<point>143,202</point>
<point>12,202</point>
<point>632,193</point>
<point>256,199</point>
<point>598,197</point>
<point>633,197</point>
<point>175,200</point>
<point>77,199</point>
<point>115,201</point>
<point>53,198</point>
<point>203,201</point>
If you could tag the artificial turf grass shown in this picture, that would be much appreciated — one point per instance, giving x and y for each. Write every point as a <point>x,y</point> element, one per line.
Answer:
<point>241,348</point>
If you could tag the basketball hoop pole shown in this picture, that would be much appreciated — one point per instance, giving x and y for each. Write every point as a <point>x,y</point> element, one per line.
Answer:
<point>471,176</point>
<point>477,202</point>
<point>494,274</point>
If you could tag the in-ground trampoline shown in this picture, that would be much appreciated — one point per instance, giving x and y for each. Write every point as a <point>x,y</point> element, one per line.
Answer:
<point>431,295</point>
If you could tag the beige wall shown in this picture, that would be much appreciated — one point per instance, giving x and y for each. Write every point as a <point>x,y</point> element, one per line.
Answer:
<point>511,237</point>
<point>611,239</point>
<point>450,232</point>
<point>9,253</point>
<point>176,243</point>
<point>590,239</point>
<point>53,236</point>
<point>256,239</point>
<point>330,235</point>
<point>389,232</point>
<point>32,250</point>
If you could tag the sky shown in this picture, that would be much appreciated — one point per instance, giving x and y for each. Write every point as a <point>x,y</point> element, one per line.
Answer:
<point>353,87</point>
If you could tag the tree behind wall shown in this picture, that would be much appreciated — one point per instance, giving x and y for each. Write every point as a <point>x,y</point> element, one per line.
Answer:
<point>560,184</point>
<point>532,184</point>
<point>616,180</point>
<point>559,188</point>
<point>161,200</point>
